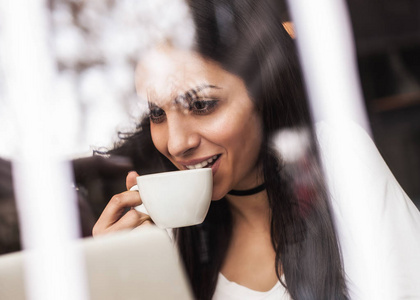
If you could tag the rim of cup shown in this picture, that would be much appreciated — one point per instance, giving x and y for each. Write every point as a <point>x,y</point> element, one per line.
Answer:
<point>170,173</point>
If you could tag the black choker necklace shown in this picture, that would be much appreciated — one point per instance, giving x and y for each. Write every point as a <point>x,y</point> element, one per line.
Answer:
<point>249,192</point>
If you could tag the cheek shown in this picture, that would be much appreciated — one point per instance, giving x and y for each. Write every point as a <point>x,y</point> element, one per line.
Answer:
<point>226,127</point>
<point>245,144</point>
<point>242,131</point>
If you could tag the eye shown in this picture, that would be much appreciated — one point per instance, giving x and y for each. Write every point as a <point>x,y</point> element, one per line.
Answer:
<point>203,107</point>
<point>156,114</point>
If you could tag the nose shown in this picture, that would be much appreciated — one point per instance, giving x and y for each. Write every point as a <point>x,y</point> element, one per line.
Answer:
<point>183,138</point>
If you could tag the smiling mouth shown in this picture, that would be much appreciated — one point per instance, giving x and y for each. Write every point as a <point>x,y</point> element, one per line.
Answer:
<point>208,163</point>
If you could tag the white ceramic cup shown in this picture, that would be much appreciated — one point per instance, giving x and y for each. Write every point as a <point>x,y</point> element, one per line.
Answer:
<point>178,198</point>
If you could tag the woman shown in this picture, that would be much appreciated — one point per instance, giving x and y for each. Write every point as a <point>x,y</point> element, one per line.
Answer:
<point>219,106</point>
<point>227,98</point>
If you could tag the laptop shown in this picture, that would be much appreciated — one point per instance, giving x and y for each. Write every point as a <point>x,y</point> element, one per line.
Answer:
<point>142,264</point>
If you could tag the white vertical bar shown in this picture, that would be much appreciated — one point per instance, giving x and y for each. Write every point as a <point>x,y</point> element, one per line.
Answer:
<point>46,203</point>
<point>326,49</point>
<point>328,60</point>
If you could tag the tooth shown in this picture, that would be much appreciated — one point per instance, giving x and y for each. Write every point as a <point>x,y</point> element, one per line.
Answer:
<point>203,163</point>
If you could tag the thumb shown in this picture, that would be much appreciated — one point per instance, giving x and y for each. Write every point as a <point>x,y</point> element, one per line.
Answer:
<point>131,180</point>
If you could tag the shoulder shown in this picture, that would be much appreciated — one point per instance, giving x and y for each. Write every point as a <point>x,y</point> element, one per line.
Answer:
<point>354,169</point>
<point>377,224</point>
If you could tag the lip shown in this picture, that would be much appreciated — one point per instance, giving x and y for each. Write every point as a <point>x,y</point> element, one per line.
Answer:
<point>186,163</point>
<point>216,165</point>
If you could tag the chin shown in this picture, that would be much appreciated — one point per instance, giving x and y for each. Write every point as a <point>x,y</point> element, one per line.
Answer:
<point>217,195</point>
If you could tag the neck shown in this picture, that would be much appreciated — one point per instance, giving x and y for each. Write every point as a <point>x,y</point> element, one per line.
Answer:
<point>252,211</point>
<point>248,192</point>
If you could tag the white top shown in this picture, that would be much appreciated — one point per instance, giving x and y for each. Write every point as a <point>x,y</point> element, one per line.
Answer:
<point>378,226</point>
<point>226,289</point>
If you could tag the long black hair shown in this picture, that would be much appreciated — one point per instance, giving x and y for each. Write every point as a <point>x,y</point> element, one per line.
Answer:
<point>246,37</point>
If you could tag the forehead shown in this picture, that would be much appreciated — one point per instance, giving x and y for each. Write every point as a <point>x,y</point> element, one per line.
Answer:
<point>165,73</point>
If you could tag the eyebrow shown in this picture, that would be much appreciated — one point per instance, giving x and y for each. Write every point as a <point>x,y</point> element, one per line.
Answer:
<point>192,93</point>
<point>202,87</point>
<point>187,95</point>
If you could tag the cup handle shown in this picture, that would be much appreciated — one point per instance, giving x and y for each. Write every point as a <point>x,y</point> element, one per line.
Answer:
<point>134,188</point>
<point>140,207</point>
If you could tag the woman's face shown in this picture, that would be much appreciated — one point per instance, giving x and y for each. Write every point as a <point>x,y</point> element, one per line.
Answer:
<point>202,116</point>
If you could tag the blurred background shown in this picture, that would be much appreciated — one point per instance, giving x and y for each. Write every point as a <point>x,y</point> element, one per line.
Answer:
<point>387,37</point>
<point>97,44</point>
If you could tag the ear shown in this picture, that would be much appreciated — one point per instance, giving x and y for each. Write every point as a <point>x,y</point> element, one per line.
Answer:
<point>288,26</point>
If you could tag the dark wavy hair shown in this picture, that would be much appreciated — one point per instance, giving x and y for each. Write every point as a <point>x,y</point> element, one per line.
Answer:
<point>246,38</point>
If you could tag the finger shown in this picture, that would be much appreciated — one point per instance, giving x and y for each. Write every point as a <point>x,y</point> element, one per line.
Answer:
<point>114,211</point>
<point>145,224</point>
<point>130,220</point>
<point>117,205</point>
<point>131,179</point>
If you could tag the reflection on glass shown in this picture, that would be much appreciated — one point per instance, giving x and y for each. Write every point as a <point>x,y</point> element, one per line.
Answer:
<point>217,84</point>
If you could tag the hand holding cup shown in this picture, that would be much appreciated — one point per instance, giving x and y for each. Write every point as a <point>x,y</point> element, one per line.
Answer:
<point>115,216</point>
<point>173,199</point>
